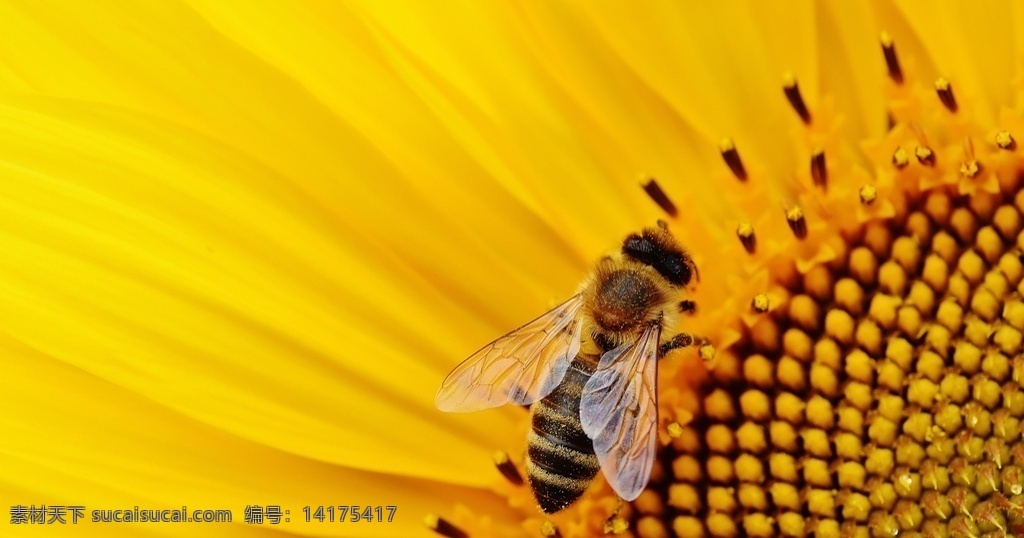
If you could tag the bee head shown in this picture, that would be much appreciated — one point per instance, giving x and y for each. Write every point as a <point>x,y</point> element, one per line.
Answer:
<point>657,248</point>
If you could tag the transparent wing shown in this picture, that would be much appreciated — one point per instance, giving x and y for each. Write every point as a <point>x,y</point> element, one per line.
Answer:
<point>521,367</point>
<point>619,411</point>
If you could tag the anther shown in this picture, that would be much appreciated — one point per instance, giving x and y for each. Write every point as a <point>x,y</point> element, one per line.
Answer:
<point>900,159</point>
<point>1005,140</point>
<point>868,193</point>
<point>945,91</point>
<point>616,525</point>
<point>792,90</point>
<point>732,158</point>
<point>443,527</point>
<point>819,173</point>
<point>924,155</point>
<point>507,468</point>
<point>759,303</point>
<point>970,167</point>
<point>745,231</point>
<point>549,529</point>
<point>797,222</point>
<point>654,191</point>
<point>892,63</point>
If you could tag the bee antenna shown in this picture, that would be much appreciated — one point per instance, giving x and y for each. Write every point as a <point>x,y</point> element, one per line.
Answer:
<point>693,267</point>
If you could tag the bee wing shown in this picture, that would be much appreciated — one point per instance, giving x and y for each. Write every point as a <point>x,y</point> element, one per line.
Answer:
<point>521,367</point>
<point>619,412</point>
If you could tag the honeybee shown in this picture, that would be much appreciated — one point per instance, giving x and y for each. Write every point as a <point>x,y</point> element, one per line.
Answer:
<point>590,367</point>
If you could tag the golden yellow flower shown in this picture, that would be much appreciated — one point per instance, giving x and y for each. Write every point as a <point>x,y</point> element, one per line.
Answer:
<point>243,244</point>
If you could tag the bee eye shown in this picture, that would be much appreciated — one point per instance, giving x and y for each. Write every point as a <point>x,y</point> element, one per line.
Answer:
<point>670,263</point>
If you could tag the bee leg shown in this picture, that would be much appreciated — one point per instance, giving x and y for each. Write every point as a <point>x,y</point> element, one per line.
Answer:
<point>687,307</point>
<point>678,341</point>
<point>615,524</point>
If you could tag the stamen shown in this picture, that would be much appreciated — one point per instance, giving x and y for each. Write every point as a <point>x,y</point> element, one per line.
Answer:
<point>759,303</point>
<point>732,158</point>
<point>443,527</point>
<point>507,468</point>
<point>706,353</point>
<point>970,167</point>
<point>819,173</point>
<point>1005,141</point>
<point>924,155</point>
<point>789,86</point>
<point>674,429</point>
<point>945,91</point>
<point>900,158</point>
<point>892,63</point>
<point>745,231</point>
<point>797,222</point>
<point>868,193</point>
<point>549,529</point>
<point>654,191</point>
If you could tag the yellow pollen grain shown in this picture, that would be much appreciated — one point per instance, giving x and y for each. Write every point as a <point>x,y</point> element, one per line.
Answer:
<point>860,367</point>
<point>989,243</point>
<point>752,497</point>
<point>938,339</point>
<point>906,251</point>
<point>785,496</point>
<point>878,238</point>
<point>859,395</point>
<point>1007,222</point>
<point>868,194</point>
<point>890,406</point>
<point>882,431</point>
<point>849,446</point>
<point>900,352</point>
<point>688,440</point>
<point>909,321</point>
<point>687,469</point>
<point>938,206</point>
<point>783,435</point>
<point>955,388</point>
<point>964,224</point>
<point>816,473</point>
<point>972,266</point>
<point>684,497</point>
<point>1013,313</point>
<point>759,525</point>
<point>869,336</point>
<point>851,474</point>
<point>1008,339</point>
<point>849,295</point>
<point>759,303</point>
<point>959,288</point>
<point>616,525</point>
<point>987,392</point>
<point>883,310</point>
<point>797,344</point>
<point>720,439</point>
<point>764,335</point>
<point>909,453</point>
<point>674,430</point>
<point>948,419</point>
<point>967,357</point>
<point>924,155</point>
<point>759,371</point>
<point>783,466</point>
<point>818,282</point>
<point>918,426</point>
<point>969,168</point>
<point>881,493</point>
<point>721,499</point>
<point>651,527</point>
<point>996,283</point>
<point>816,442</point>
<point>983,204</point>
<point>692,527</point>
<point>824,380</point>
<point>821,502</point>
<point>922,392</point>
<point>930,365</point>
<point>879,461</point>
<point>755,405</point>
<point>750,469</point>
<point>719,405</point>
<point>792,524</point>
<point>790,373</point>
<point>805,312</point>
<point>892,278</point>
<point>649,503</point>
<point>977,331</point>
<point>900,159</point>
<point>840,325</point>
<point>1004,140</point>
<point>751,438</point>
<point>856,507</point>
<point>935,273</point>
<point>863,265</point>
<point>922,297</point>
<point>945,246</point>
<point>985,305</point>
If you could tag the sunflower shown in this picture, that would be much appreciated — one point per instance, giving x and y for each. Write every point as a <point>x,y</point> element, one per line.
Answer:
<point>243,246</point>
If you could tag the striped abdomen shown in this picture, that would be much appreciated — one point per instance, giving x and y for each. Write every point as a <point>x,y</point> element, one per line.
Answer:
<point>560,460</point>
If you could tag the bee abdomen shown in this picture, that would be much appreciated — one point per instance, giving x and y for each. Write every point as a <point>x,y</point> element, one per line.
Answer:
<point>560,460</point>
